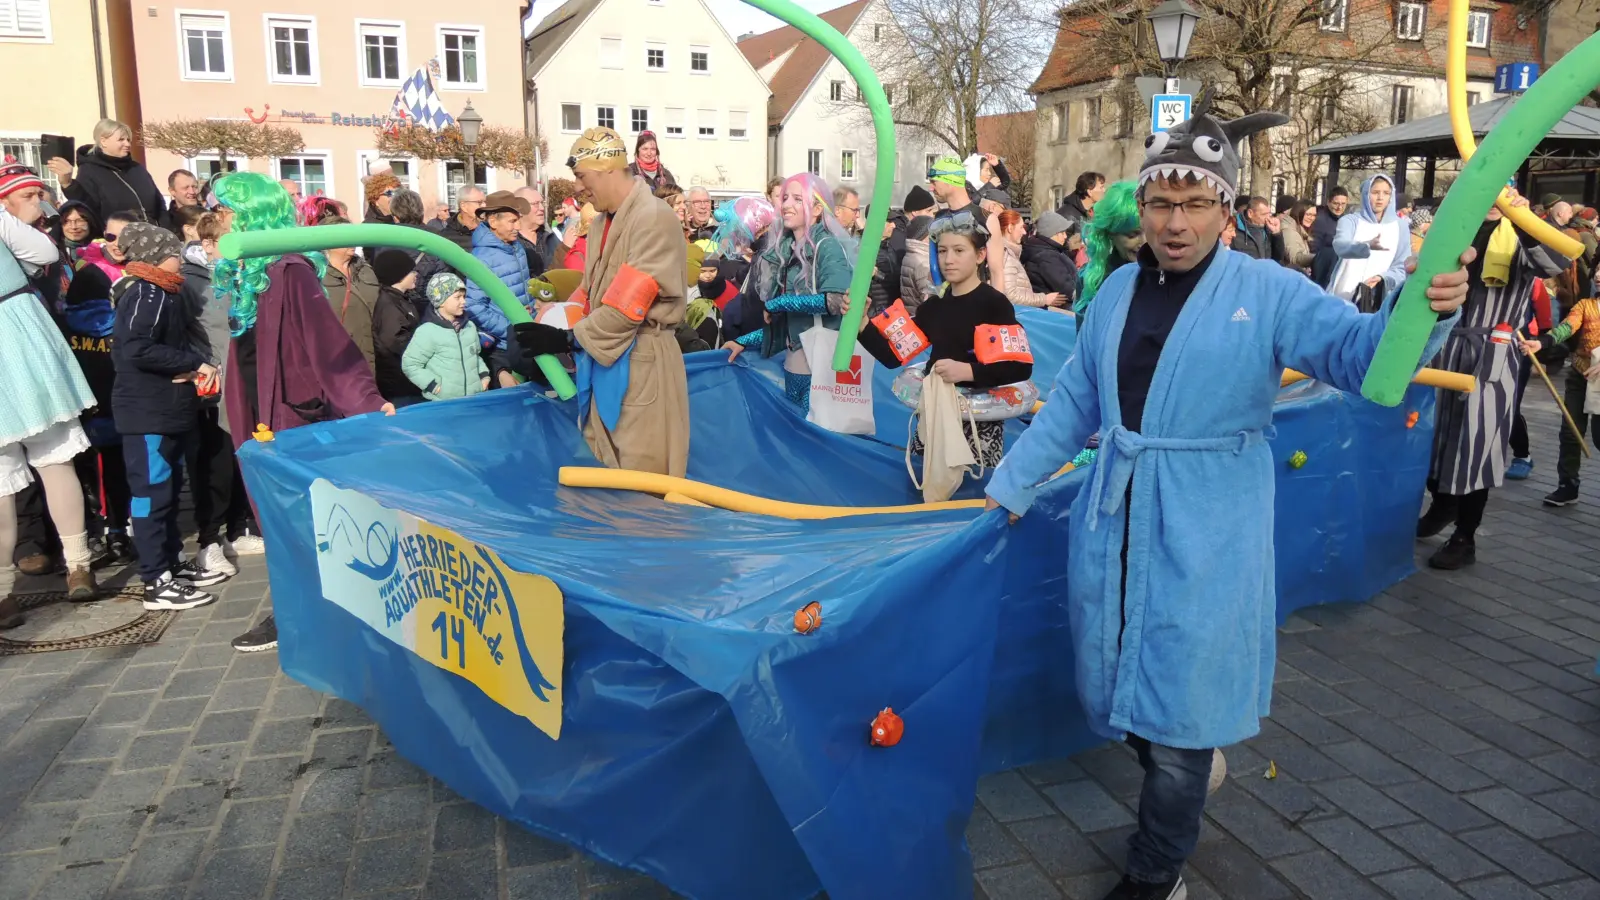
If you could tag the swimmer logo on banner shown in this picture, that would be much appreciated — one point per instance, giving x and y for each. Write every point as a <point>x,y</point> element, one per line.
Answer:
<point>448,600</point>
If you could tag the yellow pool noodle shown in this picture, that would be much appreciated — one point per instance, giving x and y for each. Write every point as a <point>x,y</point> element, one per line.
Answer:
<point>722,498</point>
<point>1455,74</point>
<point>1439,378</point>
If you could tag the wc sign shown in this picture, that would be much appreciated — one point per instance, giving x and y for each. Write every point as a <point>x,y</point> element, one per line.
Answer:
<point>1167,111</point>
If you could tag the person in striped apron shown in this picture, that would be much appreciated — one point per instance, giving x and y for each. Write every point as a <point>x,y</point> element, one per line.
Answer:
<point>1472,430</point>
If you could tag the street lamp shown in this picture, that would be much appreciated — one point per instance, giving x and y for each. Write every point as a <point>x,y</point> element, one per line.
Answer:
<point>470,122</point>
<point>1173,23</point>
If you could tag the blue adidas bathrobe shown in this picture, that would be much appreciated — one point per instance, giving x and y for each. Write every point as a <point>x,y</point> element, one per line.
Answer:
<point>1193,667</point>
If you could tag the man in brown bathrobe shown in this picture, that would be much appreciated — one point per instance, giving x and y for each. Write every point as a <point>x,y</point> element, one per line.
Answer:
<point>632,386</point>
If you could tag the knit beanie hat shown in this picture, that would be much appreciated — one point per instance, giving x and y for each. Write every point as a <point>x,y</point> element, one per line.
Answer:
<point>949,170</point>
<point>1053,223</point>
<point>146,243</point>
<point>1588,214</point>
<point>375,185</point>
<point>442,287</point>
<point>14,177</point>
<point>918,199</point>
<point>392,266</point>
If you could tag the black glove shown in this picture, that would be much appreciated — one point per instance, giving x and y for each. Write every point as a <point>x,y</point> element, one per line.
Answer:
<point>541,340</point>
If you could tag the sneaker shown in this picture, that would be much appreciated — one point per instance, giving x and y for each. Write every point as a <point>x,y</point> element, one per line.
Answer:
<point>214,559</point>
<point>1565,494</point>
<point>1520,469</point>
<point>248,544</point>
<point>195,573</point>
<point>10,612</point>
<point>1435,520</point>
<point>81,587</point>
<point>1139,890</point>
<point>1457,552</point>
<point>172,593</point>
<point>262,637</point>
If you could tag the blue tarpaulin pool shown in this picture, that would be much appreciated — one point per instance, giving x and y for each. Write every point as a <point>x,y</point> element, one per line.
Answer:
<point>623,674</point>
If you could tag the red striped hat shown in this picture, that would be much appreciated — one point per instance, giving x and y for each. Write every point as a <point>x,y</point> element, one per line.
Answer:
<point>14,177</point>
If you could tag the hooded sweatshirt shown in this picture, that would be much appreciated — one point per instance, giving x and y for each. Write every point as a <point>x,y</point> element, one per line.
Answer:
<point>1358,261</point>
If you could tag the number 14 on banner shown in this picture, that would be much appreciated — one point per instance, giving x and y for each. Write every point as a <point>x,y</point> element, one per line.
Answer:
<point>1169,111</point>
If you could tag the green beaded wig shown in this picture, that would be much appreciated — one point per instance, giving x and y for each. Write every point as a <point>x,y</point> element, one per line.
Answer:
<point>1116,213</point>
<point>258,204</point>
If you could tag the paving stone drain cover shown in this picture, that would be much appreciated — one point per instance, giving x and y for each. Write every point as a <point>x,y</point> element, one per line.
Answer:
<point>115,620</point>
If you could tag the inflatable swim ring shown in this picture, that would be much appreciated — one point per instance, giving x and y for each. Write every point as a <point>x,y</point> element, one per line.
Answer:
<point>987,404</point>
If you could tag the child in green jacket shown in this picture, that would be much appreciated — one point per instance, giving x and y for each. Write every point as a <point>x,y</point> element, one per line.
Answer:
<point>443,358</point>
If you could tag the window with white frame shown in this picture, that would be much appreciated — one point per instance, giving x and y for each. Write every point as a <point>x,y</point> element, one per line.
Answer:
<point>605,116</point>
<point>1478,29</point>
<point>738,125</point>
<point>461,56</point>
<point>29,151</point>
<point>675,119</point>
<point>291,49</point>
<point>611,53</point>
<point>25,21</point>
<point>455,178</point>
<point>814,162</point>
<point>206,54</point>
<point>369,162</point>
<point>638,119</point>
<point>706,124</point>
<point>655,56</point>
<point>1400,111</point>
<point>572,118</point>
<point>312,171</point>
<point>1333,16</point>
<point>206,168</point>
<point>699,60</point>
<point>835,90</point>
<point>847,165</point>
<point>383,53</point>
<point>1409,19</point>
<point>927,164</point>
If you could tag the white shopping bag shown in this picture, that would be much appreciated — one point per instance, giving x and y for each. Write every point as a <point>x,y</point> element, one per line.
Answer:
<point>840,401</point>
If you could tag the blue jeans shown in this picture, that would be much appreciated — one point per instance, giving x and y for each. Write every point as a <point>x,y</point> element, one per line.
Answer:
<point>1170,806</point>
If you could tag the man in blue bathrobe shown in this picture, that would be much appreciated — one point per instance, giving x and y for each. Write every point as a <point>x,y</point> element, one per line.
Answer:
<point>1170,563</point>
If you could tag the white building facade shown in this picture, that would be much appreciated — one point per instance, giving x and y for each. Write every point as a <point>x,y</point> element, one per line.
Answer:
<point>816,122</point>
<point>665,66</point>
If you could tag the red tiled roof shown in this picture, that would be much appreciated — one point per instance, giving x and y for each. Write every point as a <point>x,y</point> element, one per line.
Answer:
<point>789,83</point>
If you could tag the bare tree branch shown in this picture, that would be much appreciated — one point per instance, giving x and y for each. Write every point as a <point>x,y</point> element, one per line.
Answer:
<point>499,147</point>
<point>227,139</point>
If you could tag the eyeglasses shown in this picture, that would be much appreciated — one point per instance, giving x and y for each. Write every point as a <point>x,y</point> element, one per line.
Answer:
<point>1162,209</point>
<point>854,209</point>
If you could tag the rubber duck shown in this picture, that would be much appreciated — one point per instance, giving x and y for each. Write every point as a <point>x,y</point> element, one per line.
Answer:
<point>262,432</point>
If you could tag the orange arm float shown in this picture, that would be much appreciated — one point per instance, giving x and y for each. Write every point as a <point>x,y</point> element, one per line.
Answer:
<point>631,293</point>
<point>1455,73</point>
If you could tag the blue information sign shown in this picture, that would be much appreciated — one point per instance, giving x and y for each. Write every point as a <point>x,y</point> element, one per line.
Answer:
<point>1169,110</point>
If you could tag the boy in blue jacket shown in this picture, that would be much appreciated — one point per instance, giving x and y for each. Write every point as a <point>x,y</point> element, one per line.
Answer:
<point>156,407</point>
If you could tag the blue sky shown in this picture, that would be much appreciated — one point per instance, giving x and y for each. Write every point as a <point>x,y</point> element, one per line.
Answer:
<point>739,17</point>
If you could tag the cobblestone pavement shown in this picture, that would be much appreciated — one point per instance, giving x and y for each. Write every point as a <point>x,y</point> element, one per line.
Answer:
<point>1442,741</point>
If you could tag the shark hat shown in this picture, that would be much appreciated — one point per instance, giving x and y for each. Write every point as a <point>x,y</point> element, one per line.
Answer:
<point>1204,148</point>
<point>598,150</point>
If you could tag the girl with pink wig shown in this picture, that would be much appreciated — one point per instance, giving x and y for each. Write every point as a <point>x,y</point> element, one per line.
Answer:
<point>805,275</point>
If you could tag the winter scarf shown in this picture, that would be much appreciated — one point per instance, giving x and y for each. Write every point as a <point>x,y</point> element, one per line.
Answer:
<point>171,282</point>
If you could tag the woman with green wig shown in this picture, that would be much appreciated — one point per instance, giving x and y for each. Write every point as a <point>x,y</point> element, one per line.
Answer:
<point>1110,239</point>
<point>290,362</point>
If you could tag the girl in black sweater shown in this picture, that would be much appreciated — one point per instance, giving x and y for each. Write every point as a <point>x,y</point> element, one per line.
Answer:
<point>951,322</point>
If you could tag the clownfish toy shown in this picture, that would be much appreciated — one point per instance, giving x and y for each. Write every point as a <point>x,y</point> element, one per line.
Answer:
<point>887,729</point>
<point>808,618</point>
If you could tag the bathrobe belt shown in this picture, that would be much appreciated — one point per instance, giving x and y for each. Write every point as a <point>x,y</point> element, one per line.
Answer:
<point>1120,450</point>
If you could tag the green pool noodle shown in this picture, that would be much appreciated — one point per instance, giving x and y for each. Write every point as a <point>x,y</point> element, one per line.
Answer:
<point>240,245</point>
<point>883,178</point>
<point>1455,224</point>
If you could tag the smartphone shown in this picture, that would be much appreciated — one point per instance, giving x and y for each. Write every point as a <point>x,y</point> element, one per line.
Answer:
<point>54,145</point>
